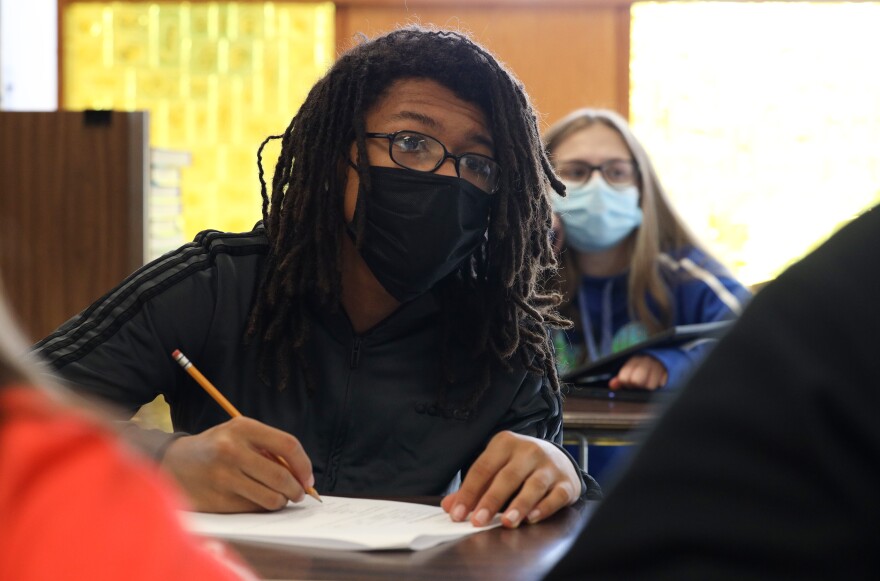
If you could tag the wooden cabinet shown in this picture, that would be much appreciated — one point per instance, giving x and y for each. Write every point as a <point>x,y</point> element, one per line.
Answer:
<point>72,191</point>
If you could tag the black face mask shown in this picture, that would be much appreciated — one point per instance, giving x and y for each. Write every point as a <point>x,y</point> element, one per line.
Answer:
<point>418,228</point>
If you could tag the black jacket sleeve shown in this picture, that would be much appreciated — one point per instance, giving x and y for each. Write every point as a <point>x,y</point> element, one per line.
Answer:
<point>119,349</point>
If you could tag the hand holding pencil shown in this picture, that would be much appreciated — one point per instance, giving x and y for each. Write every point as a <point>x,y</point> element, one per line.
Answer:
<point>241,465</point>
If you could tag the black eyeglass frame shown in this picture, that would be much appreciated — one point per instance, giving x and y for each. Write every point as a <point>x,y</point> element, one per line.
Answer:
<point>591,169</point>
<point>446,155</point>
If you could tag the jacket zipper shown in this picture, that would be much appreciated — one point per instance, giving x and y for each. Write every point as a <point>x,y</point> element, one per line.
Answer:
<point>329,482</point>
<point>355,354</point>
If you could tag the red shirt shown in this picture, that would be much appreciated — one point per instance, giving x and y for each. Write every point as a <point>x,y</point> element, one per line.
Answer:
<point>74,504</point>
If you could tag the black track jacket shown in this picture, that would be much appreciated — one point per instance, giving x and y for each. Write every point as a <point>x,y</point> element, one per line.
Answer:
<point>371,426</point>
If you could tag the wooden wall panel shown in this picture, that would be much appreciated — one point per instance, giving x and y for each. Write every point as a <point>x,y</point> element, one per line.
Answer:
<point>568,55</point>
<point>71,210</point>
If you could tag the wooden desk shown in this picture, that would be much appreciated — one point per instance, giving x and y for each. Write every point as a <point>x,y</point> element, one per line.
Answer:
<point>596,415</point>
<point>588,421</point>
<point>523,554</point>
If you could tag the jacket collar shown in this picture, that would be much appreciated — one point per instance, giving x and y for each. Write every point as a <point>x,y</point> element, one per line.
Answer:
<point>409,316</point>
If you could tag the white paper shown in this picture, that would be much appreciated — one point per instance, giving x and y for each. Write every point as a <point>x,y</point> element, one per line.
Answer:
<point>340,523</point>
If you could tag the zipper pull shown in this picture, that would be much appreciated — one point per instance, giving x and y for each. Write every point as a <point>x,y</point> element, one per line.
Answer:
<point>355,354</point>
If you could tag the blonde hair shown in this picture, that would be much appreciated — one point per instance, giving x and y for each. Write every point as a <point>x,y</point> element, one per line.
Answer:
<point>662,230</point>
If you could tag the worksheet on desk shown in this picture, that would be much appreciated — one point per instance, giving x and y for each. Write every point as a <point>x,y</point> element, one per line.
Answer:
<point>340,523</point>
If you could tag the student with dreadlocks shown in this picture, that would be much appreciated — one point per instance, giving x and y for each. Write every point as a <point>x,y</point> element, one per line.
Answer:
<point>385,326</point>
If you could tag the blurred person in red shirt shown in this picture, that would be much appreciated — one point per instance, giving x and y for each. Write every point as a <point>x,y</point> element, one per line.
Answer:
<point>76,504</point>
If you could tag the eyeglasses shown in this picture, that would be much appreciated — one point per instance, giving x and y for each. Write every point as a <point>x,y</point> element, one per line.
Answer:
<point>619,173</point>
<point>420,152</point>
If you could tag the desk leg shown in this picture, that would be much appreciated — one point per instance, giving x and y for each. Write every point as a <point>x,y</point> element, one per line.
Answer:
<point>578,439</point>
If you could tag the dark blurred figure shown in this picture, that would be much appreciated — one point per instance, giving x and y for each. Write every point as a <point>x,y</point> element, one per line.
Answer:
<point>768,463</point>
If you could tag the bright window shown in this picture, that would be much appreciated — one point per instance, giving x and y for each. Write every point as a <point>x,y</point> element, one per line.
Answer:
<point>763,119</point>
<point>216,77</point>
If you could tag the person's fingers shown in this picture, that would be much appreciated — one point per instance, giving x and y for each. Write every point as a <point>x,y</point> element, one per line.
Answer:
<point>449,501</point>
<point>202,469</point>
<point>280,444</point>
<point>656,375</point>
<point>533,490</point>
<point>624,376</point>
<point>233,467</point>
<point>266,482</point>
<point>505,484</point>
<point>561,495</point>
<point>655,372</point>
<point>640,371</point>
<point>638,375</point>
<point>248,472</point>
<point>480,475</point>
<point>226,501</point>
<point>554,483</point>
<point>538,476</point>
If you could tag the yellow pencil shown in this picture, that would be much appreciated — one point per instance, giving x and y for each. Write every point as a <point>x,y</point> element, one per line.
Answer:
<point>226,405</point>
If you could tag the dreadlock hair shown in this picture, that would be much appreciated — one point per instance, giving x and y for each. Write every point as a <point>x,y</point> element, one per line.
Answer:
<point>496,301</point>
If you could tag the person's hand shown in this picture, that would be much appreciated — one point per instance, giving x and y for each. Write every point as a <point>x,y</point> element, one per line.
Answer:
<point>537,475</point>
<point>557,233</point>
<point>230,468</point>
<point>640,371</point>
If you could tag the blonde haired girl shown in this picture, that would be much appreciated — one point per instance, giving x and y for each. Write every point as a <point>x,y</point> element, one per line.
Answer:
<point>630,266</point>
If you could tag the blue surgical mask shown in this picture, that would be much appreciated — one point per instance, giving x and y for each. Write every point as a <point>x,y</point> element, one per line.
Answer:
<point>596,216</point>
